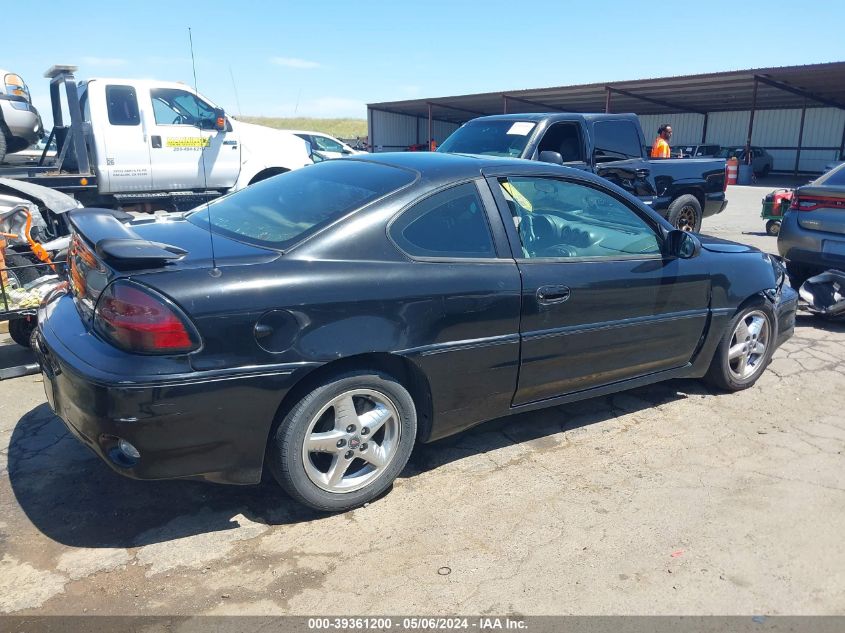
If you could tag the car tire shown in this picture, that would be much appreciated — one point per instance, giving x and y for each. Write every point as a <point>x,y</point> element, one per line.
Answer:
<point>22,329</point>
<point>685,213</point>
<point>773,227</point>
<point>745,349</point>
<point>325,452</point>
<point>2,142</point>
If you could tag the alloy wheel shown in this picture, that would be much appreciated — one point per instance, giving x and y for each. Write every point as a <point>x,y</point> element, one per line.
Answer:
<point>351,440</point>
<point>749,345</point>
<point>686,219</point>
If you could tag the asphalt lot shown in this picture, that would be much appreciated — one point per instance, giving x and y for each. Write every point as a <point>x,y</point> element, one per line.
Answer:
<point>667,499</point>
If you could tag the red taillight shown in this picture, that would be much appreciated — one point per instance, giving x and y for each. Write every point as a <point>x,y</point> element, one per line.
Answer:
<point>139,320</point>
<point>811,203</point>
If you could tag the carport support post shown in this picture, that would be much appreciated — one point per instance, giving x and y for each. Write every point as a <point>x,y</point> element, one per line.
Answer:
<point>607,100</point>
<point>800,138</point>
<point>704,130</point>
<point>751,121</point>
<point>504,104</point>
<point>428,140</point>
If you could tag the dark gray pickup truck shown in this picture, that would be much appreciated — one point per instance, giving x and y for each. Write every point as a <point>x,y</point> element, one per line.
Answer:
<point>611,145</point>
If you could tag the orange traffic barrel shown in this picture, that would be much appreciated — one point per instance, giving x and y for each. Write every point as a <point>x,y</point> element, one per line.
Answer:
<point>732,170</point>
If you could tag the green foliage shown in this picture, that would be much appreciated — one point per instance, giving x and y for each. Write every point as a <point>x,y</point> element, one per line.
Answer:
<point>340,128</point>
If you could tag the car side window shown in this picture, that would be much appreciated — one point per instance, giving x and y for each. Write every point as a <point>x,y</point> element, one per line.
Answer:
<point>326,144</point>
<point>172,106</point>
<point>451,223</point>
<point>562,219</point>
<point>616,140</point>
<point>122,105</point>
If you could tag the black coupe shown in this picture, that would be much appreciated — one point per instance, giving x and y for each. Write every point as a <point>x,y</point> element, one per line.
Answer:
<point>322,322</point>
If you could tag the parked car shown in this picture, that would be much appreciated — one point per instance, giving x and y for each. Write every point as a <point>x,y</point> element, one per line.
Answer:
<point>812,233</point>
<point>761,161</point>
<point>362,305</point>
<point>699,151</point>
<point>20,123</point>
<point>328,146</point>
<point>610,145</point>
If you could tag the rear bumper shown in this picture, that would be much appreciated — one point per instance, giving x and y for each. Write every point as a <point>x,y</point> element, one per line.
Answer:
<point>715,203</point>
<point>202,425</point>
<point>804,246</point>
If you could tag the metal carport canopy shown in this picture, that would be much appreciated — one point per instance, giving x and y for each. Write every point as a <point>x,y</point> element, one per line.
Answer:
<point>760,89</point>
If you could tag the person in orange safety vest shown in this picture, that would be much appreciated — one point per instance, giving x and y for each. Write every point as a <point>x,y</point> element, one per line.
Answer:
<point>660,148</point>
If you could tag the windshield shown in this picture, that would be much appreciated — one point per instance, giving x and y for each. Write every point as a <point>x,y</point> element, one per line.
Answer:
<point>280,211</point>
<point>492,138</point>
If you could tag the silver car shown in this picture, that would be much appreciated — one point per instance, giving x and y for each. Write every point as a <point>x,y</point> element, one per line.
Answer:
<point>20,123</point>
<point>812,234</point>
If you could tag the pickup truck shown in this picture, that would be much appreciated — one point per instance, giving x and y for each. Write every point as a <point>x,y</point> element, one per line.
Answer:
<point>150,144</point>
<point>610,145</point>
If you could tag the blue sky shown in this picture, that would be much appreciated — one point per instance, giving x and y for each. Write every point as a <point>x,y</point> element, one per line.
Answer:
<point>329,58</point>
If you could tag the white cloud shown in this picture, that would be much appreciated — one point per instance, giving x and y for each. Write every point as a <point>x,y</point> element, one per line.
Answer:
<point>293,62</point>
<point>104,62</point>
<point>410,91</point>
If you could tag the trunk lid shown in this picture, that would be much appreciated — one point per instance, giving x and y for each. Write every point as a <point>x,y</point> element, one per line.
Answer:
<point>103,248</point>
<point>820,208</point>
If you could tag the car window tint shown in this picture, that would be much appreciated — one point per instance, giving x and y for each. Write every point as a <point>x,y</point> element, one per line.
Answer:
<point>835,176</point>
<point>122,105</point>
<point>280,211</point>
<point>561,219</point>
<point>326,144</point>
<point>616,140</point>
<point>493,138</point>
<point>451,223</point>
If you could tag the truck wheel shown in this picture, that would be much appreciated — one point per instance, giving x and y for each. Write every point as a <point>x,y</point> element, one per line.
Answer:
<point>344,443</point>
<point>685,213</point>
<point>745,349</point>
<point>773,227</point>
<point>21,330</point>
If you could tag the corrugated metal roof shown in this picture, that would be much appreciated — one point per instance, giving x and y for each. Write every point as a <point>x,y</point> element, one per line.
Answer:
<point>779,87</point>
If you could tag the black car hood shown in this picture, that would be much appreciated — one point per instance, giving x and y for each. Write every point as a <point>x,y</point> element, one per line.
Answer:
<point>717,245</point>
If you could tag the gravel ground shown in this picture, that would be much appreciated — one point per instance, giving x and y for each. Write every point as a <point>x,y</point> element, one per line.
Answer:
<point>668,499</point>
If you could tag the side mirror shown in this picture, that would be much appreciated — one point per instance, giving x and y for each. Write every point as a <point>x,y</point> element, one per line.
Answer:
<point>220,122</point>
<point>551,157</point>
<point>682,244</point>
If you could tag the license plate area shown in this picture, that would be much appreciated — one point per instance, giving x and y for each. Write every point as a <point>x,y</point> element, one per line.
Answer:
<point>833,247</point>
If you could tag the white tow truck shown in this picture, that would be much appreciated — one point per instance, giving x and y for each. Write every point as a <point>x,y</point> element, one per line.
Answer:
<point>150,144</point>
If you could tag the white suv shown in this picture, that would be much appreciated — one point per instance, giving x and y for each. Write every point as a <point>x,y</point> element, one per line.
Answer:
<point>20,123</point>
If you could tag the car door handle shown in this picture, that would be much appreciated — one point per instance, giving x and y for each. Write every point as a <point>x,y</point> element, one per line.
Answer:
<point>550,295</point>
<point>642,172</point>
<point>156,141</point>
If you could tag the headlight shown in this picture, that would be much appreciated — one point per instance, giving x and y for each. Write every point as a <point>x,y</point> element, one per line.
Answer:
<point>16,86</point>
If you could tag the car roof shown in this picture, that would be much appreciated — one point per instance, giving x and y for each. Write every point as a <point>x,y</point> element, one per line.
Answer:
<point>448,167</point>
<point>543,116</point>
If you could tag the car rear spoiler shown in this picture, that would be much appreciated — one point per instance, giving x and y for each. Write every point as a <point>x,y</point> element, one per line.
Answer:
<point>117,244</point>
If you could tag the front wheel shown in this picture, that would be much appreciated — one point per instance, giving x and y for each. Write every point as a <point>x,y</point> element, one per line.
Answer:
<point>685,213</point>
<point>745,349</point>
<point>344,443</point>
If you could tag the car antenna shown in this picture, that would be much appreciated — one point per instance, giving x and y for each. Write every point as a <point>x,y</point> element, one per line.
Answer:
<point>215,272</point>
<point>235,88</point>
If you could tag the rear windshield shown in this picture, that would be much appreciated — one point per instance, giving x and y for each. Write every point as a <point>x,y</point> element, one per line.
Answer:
<point>282,210</point>
<point>835,176</point>
<point>492,138</point>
